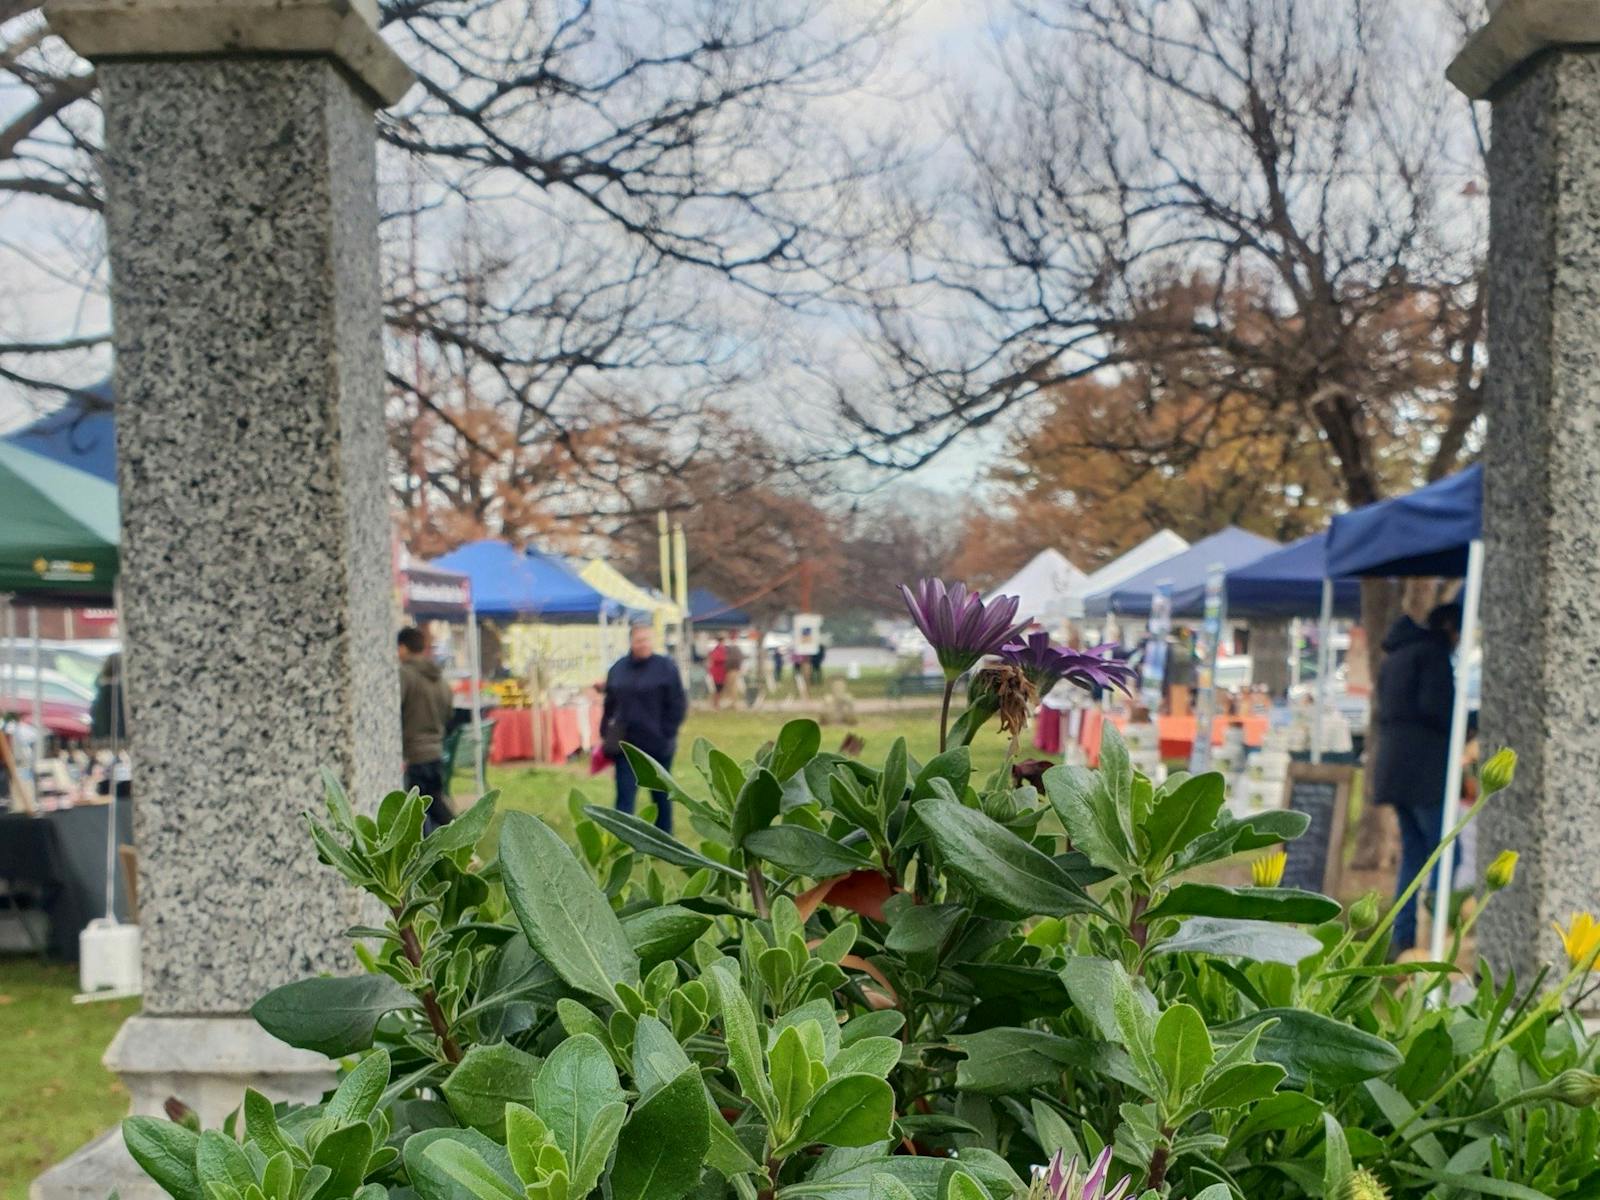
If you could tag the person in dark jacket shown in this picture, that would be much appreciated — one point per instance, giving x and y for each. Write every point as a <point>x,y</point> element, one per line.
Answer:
<point>644,706</point>
<point>1416,698</point>
<point>426,703</point>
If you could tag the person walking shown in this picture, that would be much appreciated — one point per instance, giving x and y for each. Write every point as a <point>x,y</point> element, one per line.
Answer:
<point>645,705</point>
<point>425,707</point>
<point>717,669</point>
<point>1416,699</point>
<point>733,678</point>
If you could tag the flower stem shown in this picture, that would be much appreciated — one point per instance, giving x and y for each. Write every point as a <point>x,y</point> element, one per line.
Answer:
<point>944,713</point>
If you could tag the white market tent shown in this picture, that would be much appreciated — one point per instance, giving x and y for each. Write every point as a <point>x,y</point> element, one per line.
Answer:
<point>1050,588</point>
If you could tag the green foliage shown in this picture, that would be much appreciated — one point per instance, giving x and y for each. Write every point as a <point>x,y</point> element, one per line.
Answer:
<point>884,980</point>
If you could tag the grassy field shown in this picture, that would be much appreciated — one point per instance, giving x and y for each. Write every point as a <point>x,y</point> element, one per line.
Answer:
<point>54,1094</point>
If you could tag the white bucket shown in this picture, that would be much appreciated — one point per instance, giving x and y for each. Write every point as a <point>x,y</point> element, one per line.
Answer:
<point>108,957</point>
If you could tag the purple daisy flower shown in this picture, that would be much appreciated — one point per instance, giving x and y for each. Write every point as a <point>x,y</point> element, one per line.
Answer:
<point>1059,1181</point>
<point>1046,665</point>
<point>961,625</point>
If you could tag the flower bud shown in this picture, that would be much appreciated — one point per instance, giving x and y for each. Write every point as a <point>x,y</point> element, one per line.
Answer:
<point>1359,1185</point>
<point>1577,1088</point>
<point>180,1113</point>
<point>1502,871</point>
<point>1497,773</point>
<point>1364,912</point>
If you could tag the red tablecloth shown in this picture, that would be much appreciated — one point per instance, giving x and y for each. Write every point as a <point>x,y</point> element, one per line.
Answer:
<point>561,732</point>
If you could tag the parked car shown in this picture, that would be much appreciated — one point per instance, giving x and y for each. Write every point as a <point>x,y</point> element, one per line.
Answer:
<point>53,685</point>
<point>70,722</point>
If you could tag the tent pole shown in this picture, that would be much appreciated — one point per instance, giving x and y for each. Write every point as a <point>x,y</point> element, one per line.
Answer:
<point>116,739</point>
<point>476,700</point>
<point>1324,667</point>
<point>37,748</point>
<point>1450,812</point>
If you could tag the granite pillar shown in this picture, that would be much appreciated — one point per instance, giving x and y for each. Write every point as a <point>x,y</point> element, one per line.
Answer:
<point>239,165</point>
<point>1537,63</point>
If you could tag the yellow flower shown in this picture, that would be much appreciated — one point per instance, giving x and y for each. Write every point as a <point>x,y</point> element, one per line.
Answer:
<point>1581,938</point>
<point>1267,871</point>
<point>1360,1185</point>
<point>1498,772</point>
<point>1500,873</point>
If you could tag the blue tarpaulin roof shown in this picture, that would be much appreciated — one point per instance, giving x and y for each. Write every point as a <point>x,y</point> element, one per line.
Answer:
<point>1423,533</point>
<point>81,433</point>
<point>1285,583</point>
<point>710,611</point>
<point>1185,571</point>
<point>508,583</point>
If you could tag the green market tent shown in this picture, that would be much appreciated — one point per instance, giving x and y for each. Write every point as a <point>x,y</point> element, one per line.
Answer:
<point>59,532</point>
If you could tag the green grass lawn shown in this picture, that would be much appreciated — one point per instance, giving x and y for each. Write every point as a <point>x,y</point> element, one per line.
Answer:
<point>54,1094</point>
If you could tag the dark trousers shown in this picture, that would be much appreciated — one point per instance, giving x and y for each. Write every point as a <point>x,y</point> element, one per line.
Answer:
<point>628,790</point>
<point>1421,827</point>
<point>428,779</point>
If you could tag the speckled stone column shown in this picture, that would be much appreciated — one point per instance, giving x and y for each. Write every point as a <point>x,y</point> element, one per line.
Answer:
<point>1541,602</point>
<point>241,214</point>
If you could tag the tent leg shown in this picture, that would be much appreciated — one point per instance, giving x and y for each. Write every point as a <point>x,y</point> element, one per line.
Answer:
<point>37,750</point>
<point>476,700</point>
<point>1450,811</point>
<point>1324,668</point>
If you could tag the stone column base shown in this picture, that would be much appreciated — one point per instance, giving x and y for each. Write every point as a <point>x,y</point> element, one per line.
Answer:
<point>206,1062</point>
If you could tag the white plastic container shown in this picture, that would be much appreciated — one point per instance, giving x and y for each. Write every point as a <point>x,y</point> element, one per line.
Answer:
<point>108,957</point>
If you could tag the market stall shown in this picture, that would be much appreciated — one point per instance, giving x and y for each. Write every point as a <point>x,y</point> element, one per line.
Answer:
<point>1184,573</point>
<point>432,594</point>
<point>1434,531</point>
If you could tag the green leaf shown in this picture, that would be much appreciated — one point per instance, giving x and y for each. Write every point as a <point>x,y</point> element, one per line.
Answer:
<point>562,911</point>
<point>662,933</point>
<point>726,778</point>
<point>1053,1133</point>
<point>1012,1061</point>
<point>923,928</point>
<point>884,1023</point>
<point>487,1079</point>
<point>220,1159</point>
<point>740,1035</point>
<point>1246,903</point>
<point>461,833</point>
<point>1000,866</point>
<point>1094,985</point>
<point>790,1070</point>
<point>1337,1165</point>
<point>869,1056</point>
<point>1089,812</point>
<point>892,783</point>
<point>1482,1185</point>
<point>664,1143</point>
<point>261,1123</point>
<point>1236,836</point>
<point>335,1017</point>
<point>886,1187</point>
<point>849,1110</point>
<point>805,852</point>
<point>797,744</point>
<point>1182,814</point>
<point>954,766</point>
<point>575,1084</point>
<point>1240,1085</point>
<point>600,1140</point>
<point>757,805</point>
<point>430,1181</point>
<point>657,1057</point>
<point>344,1152</point>
<point>1316,1051</point>
<point>463,1165</point>
<point>359,1091</point>
<point>647,839</point>
<point>1259,941</point>
<point>962,1186</point>
<point>1182,1049</point>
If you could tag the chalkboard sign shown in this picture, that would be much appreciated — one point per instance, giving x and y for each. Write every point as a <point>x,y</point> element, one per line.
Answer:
<point>1322,792</point>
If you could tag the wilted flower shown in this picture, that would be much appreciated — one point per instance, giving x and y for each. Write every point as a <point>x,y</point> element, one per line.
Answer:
<point>1577,1088</point>
<point>1498,772</point>
<point>1046,665</point>
<point>1364,912</point>
<point>1501,871</point>
<point>1267,871</point>
<point>1059,1180</point>
<point>1013,696</point>
<point>1031,771</point>
<point>1360,1185</point>
<point>961,625</point>
<point>1581,938</point>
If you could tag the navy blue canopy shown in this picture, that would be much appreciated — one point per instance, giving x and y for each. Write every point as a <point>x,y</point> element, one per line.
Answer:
<point>710,611</point>
<point>508,583</point>
<point>1185,571</point>
<point>81,433</point>
<point>1423,533</point>
<point>1285,583</point>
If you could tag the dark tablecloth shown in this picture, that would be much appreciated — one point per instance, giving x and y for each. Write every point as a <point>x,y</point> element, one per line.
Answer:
<point>62,855</point>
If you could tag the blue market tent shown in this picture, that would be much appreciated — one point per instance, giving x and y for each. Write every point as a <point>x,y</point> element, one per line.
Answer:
<point>1285,583</point>
<point>1426,532</point>
<point>707,610</point>
<point>1185,571</point>
<point>508,583</point>
<point>81,433</point>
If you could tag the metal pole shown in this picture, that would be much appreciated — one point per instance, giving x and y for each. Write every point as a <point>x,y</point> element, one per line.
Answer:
<point>37,747</point>
<point>475,651</point>
<point>1450,811</point>
<point>1216,615</point>
<point>680,558</point>
<point>116,740</point>
<point>1324,667</point>
<point>664,540</point>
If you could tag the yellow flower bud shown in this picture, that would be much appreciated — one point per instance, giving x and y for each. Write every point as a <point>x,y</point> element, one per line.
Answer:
<point>1498,772</point>
<point>1267,871</point>
<point>1364,912</point>
<point>1502,871</point>
<point>1580,938</point>
<point>1577,1088</point>
<point>1360,1185</point>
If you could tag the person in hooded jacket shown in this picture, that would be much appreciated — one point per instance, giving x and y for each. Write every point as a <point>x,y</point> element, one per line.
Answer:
<point>645,705</point>
<point>1416,699</point>
<point>425,707</point>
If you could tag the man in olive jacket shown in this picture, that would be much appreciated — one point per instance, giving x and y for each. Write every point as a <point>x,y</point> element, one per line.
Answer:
<point>425,706</point>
